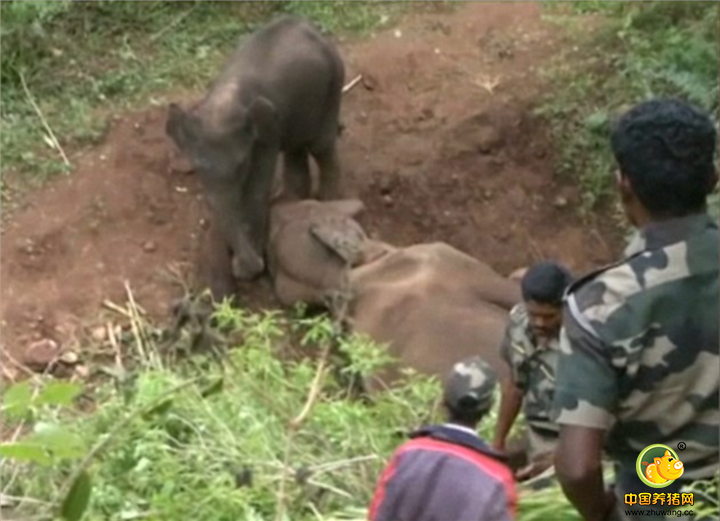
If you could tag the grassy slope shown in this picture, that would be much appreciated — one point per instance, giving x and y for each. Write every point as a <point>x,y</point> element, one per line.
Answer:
<point>619,54</point>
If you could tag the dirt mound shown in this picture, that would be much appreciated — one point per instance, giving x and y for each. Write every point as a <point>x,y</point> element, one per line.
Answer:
<point>439,143</point>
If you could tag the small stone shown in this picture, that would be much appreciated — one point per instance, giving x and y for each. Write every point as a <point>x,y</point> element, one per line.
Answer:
<point>69,358</point>
<point>388,200</point>
<point>560,202</point>
<point>385,185</point>
<point>149,246</point>
<point>99,334</point>
<point>40,354</point>
<point>82,371</point>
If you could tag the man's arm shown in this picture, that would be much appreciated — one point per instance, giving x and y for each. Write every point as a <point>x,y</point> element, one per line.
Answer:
<point>510,395</point>
<point>579,470</point>
<point>585,400</point>
<point>510,402</point>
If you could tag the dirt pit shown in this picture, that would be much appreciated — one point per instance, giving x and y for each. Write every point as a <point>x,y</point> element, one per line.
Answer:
<point>439,142</point>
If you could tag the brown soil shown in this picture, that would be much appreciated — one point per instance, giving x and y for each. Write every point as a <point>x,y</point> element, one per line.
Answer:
<point>440,143</point>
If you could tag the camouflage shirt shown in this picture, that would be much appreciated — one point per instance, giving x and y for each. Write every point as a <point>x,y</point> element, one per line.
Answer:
<point>640,352</point>
<point>533,369</point>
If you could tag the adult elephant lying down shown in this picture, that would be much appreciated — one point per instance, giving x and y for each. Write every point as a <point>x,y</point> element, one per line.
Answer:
<point>430,303</point>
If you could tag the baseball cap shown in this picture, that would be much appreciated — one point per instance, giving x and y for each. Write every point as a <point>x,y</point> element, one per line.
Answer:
<point>469,386</point>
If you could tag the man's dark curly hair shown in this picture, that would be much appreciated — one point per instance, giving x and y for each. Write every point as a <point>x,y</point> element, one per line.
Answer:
<point>666,149</point>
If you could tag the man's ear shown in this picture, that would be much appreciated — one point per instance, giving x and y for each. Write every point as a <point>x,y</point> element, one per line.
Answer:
<point>262,118</point>
<point>627,194</point>
<point>178,126</point>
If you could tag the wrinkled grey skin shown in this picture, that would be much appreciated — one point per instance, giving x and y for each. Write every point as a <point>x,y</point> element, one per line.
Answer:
<point>280,91</point>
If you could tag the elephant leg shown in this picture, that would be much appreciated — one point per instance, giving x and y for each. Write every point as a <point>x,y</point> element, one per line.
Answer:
<point>329,165</point>
<point>257,191</point>
<point>217,265</point>
<point>297,174</point>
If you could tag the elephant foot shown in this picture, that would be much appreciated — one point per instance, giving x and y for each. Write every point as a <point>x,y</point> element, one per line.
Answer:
<point>249,267</point>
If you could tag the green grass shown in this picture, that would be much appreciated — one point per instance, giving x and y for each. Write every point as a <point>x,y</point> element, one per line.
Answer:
<point>83,61</point>
<point>636,51</point>
<point>175,439</point>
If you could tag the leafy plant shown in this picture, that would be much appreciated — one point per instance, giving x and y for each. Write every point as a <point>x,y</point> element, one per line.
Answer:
<point>638,50</point>
<point>219,439</point>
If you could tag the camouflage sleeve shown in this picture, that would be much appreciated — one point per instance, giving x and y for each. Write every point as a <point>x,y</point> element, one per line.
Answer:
<point>586,390</point>
<point>506,352</point>
<point>506,346</point>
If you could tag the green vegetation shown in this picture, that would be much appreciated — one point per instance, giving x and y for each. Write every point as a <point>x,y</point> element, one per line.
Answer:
<point>82,61</point>
<point>618,54</point>
<point>211,436</point>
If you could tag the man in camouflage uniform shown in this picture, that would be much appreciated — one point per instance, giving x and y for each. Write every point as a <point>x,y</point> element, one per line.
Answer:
<point>640,341</point>
<point>530,348</point>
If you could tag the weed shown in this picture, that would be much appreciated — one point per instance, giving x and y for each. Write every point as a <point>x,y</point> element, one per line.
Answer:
<point>639,50</point>
<point>209,439</point>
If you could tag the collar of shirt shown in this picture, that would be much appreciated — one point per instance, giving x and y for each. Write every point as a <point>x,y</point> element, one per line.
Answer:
<point>662,233</point>
<point>461,428</point>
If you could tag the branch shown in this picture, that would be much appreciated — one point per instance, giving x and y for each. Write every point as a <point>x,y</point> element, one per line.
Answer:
<point>51,134</point>
<point>295,424</point>
<point>349,86</point>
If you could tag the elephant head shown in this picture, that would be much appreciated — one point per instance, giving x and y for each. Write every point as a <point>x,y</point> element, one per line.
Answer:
<point>312,246</point>
<point>233,149</point>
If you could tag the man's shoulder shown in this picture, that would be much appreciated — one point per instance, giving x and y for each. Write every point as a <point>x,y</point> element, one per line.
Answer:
<point>481,459</point>
<point>678,267</point>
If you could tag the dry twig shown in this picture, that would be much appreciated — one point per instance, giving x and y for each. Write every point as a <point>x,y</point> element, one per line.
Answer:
<point>340,303</point>
<point>117,309</point>
<point>135,323</point>
<point>351,85</point>
<point>50,133</point>
<point>114,344</point>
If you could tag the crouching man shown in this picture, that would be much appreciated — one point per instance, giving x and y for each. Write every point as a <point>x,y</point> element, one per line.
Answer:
<point>531,350</point>
<point>446,471</point>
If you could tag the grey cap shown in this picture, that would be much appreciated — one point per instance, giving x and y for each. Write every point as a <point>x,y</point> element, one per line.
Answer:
<point>470,385</point>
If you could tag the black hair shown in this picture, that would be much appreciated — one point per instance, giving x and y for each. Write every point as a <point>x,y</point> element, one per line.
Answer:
<point>545,282</point>
<point>465,417</point>
<point>666,148</point>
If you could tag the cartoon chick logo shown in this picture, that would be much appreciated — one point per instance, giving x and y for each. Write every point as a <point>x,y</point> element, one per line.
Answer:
<point>658,466</point>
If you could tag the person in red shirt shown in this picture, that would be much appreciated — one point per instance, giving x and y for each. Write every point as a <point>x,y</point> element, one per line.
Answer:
<point>447,471</point>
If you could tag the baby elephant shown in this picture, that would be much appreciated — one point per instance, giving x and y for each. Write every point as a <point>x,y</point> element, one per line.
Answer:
<point>312,245</point>
<point>430,304</point>
<point>280,92</point>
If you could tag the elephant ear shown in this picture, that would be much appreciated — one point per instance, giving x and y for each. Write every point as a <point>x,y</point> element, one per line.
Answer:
<point>263,120</point>
<point>179,126</point>
<point>342,237</point>
<point>347,207</point>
